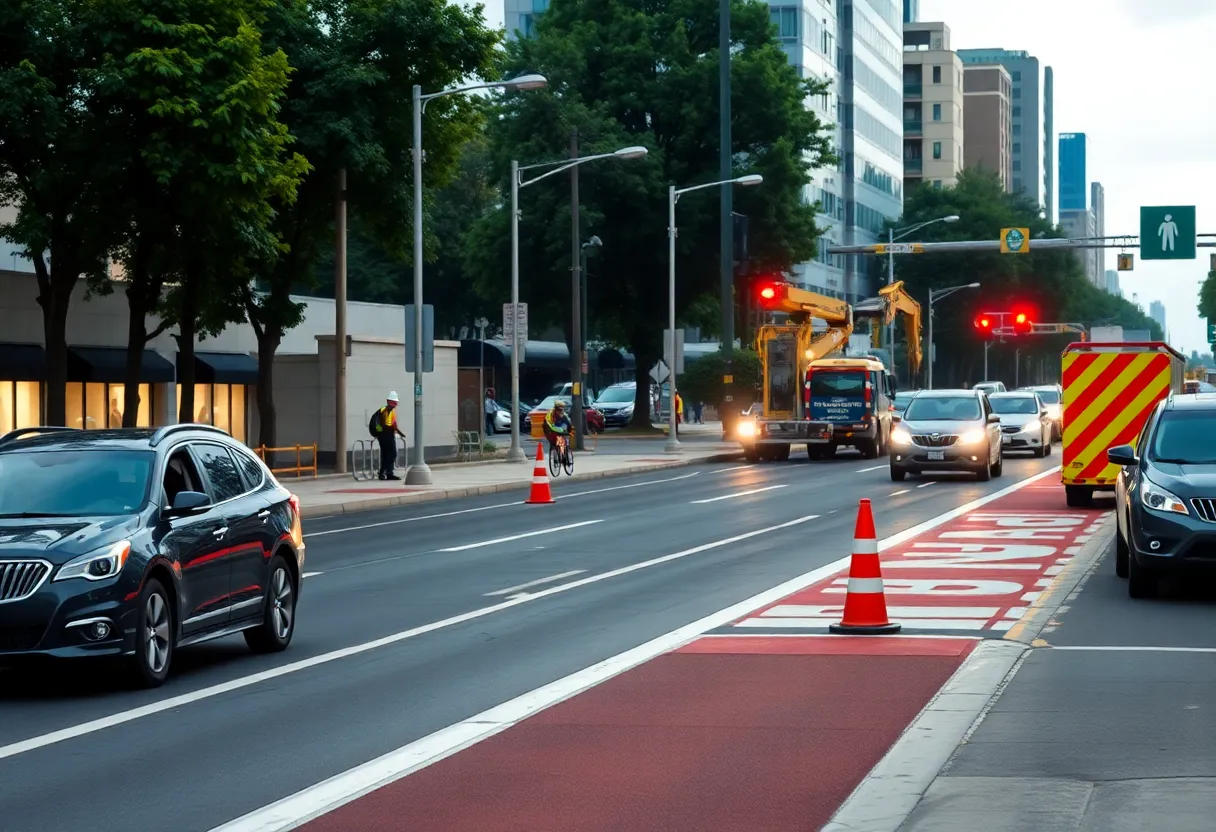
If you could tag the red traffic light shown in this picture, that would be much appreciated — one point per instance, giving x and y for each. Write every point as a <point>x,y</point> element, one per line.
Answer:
<point>768,292</point>
<point>984,324</point>
<point>1022,323</point>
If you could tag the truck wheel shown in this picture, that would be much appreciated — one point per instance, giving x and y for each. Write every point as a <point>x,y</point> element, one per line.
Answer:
<point>781,453</point>
<point>751,454</point>
<point>1078,496</point>
<point>869,449</point>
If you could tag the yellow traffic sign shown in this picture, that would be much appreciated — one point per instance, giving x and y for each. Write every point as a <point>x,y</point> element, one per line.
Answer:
<point>899,248</point>
<point>1127,262</point>
<point>1015,240</point>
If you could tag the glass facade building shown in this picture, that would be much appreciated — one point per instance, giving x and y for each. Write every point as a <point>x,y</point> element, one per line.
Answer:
<point>1073,186</point>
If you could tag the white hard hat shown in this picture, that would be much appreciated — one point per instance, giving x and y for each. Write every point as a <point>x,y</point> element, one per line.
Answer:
<point>392,396</point>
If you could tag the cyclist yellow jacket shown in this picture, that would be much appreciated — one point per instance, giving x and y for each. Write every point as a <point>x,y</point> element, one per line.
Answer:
<point>558,424</point>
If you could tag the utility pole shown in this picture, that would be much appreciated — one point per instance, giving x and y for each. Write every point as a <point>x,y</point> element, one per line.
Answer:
<point>340,324</point>
<point>576,334</point>
<point>726,173</point>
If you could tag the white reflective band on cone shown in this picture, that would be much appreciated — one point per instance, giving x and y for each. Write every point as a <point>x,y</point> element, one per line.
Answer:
<point>539,480</point>
<point>865,547</point>
<point>865,586</point>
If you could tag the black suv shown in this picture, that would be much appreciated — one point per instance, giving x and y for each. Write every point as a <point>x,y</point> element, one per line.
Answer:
<point>135,542</point>
<point>1165,495</point>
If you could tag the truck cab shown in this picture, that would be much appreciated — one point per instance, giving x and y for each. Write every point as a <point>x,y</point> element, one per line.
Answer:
<point>856,397</point>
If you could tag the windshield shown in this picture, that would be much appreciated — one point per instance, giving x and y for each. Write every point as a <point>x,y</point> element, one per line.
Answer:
<point>73,483</point>
<point>1049,396</point>
<point>836,383</point>
<point>943,409</point>
<point>1186,437</point>
<point>617,395</point>
<point>1014,405</point>
<point>547,403</point>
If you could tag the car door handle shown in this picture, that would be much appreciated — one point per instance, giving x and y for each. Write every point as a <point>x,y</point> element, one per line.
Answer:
<point>220,532</point>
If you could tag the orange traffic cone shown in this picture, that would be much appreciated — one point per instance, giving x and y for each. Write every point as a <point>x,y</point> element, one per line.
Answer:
<point>865,605</point>
<point>540,482</point>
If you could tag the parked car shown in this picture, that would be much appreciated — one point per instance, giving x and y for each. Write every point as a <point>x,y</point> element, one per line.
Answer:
<point>1052,396</point>
<point>990,387</point>
<point>133,543</point>
<point>1165,494</point>
<point>902,397</point>
<point>1025,425</point>
<point>616,403</point>
<point>947,430</point>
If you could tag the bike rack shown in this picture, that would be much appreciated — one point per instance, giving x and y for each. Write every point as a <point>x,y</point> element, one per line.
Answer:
<point>365,458</point>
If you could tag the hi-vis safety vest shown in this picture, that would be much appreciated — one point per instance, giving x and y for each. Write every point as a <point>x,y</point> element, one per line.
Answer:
<point>386,418</point>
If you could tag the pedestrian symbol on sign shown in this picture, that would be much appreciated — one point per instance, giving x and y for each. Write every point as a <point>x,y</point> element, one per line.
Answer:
<point>1167,232</point>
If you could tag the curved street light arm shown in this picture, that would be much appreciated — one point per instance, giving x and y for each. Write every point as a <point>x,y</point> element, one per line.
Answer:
<point>563,165</point>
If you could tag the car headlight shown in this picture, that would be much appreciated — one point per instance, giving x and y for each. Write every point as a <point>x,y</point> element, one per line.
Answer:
<point>973,437</point>
<point>99,565</point>
<point>746,430</point>
<point>1158,499</point>
<point>900,436</point>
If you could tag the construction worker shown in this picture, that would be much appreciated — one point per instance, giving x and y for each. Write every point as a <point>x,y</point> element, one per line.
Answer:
<point>384,429</point>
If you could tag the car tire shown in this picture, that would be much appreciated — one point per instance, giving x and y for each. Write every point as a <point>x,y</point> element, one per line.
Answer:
<point>984,473</point>
<point>1047,446</point>
<point>898,474</point>
<point>278,611</point>
<point>155,636</point>
<point>1141,581</point>
<point>998,467</point>
<point>1122,554</point>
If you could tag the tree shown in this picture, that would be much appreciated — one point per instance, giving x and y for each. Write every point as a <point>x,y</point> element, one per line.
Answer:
<point>198,100</point>
<point>628,72</point>
<point>348,107</point>
<point>58,164</point>
<point>1207,297</point>
<point>1050,281</point>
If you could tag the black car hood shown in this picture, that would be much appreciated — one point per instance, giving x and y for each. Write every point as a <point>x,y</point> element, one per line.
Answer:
<point>1196,480</point>
<point>58,539</point>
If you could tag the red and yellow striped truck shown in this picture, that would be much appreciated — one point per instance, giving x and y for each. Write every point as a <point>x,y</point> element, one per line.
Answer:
<point>1109,391</point>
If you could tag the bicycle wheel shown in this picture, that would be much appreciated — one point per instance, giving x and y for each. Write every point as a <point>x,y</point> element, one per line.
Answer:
<point>568,462</point>
<point>555,461</point>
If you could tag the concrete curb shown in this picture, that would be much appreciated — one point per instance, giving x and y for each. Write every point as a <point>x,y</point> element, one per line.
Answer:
<point>888,795</point>
<point>355,506</point>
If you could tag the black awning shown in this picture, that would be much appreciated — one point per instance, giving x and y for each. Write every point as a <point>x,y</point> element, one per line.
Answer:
<point>223,368</point>
<point>109,364</point>
<point>22,362</point>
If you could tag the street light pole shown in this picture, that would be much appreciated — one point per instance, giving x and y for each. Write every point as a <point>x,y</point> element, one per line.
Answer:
<point>891,238</point>
<point>673,443</point>
<point>934,296</point>
<point>576,319</point>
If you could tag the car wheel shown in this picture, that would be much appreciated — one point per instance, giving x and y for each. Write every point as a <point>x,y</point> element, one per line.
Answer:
<point>278,611</point>
<point>1122,554</point>
<point>155,636</point>
<point>1141,581</point>
<point>1047,446</point>
<point>985,472</point>
<point>998,467</point>
<point>898,474</point>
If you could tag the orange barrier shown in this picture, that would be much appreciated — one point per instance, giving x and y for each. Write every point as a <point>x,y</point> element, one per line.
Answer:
<point>865,605</point>
<point>299,469</point>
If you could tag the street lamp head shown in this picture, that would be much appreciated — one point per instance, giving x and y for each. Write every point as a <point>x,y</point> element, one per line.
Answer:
<point>749,180</point>
<point>635,152</point>
<point>526,82</point>
<point>973,285</point>
<point>594,242</point>
<point>951,218</point>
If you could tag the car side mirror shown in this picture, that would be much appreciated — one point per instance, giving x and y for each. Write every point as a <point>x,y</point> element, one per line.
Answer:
<point>1124,455</point>
<point>994,419</point>
<point>188,502</point>
<point>896,419</point>
<point>1043,412</point>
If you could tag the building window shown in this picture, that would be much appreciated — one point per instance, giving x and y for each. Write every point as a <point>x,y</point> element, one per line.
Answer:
<point>1017,76</point>
<point>525,25</point>
<point>20,405</point>
<point>94,406</point>
<point>937,183</point>
<point>937,116</point>
<point>1017,165</point>
<point>1017,147</point>
<point>221,405</point>
<point>937,74</point>
<point>785,18</point>
<point>1017,129</point>
<point>937,154</point>
<point>1017,112</point>
<point>1017,92</point>
<point>829,43</point>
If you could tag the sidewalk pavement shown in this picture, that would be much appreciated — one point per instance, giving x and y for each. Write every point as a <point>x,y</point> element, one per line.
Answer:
<point>331,494</point>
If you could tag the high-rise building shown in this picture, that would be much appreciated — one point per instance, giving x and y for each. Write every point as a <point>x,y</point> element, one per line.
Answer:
<point>1051,212</point>
<point>1097,204</point>
<point>933,107</point>
<point>1073,185</point>
<point>1082,224</point>
<point>987,97</point>
<point>911,11</point>
<point>1032,119</point>
<point>856,45</point>
<point>1156,311</point>
<point>1112,283</point>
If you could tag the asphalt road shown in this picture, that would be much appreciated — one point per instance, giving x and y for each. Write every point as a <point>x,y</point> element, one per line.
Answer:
<point>438,585</point>
<point>1108,727</point>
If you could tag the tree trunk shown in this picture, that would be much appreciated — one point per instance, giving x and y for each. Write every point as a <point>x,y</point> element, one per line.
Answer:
<point>54,295</point>
<point>137,340</point>
<point>642,403</point>
<point>187,328</point>
<point>268,344</point>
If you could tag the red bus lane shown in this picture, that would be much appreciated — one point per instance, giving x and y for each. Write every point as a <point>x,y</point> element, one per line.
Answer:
<point>767,724</point>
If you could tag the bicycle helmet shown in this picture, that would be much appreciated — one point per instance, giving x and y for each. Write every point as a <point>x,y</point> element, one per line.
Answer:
<point>559,405</point>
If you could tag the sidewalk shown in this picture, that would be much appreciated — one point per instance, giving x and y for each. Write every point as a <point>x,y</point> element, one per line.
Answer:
<point>331,494</point>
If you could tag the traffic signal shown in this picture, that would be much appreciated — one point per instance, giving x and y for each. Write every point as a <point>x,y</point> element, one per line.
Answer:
<point>1022,324</point>
<point>769,292</point>
<point>985,324</point>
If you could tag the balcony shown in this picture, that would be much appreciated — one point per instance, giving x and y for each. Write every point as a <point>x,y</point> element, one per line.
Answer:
<point>913,126</point>
<point>913,165</point>
<point>913,89</point>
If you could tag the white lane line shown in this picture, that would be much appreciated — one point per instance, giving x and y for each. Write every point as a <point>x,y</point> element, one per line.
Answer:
<point>733,468</point>
<point>927,484</point>
<point>871,468</point>
<point>511,590</point>
<point>1121,649</point>
<point>479,544</point>
<point>311,574</point>
<point>623,487</point>
<point>324,797</point>
<point>746,493</point>
<point>897,493</point>
<point>101,723</point>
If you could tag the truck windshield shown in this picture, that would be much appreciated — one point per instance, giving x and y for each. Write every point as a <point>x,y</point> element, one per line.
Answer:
<point>828,383</point>
<point>1186,438</point>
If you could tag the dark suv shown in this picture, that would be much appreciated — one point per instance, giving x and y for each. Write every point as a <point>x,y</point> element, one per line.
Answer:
<point>135,542</point>
<point>1165,495</point>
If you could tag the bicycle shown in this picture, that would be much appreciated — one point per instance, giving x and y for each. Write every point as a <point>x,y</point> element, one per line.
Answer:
<point>561,456</point>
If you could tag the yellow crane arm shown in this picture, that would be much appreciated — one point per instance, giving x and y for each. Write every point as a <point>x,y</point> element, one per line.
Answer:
<point>891,301</point>
<point>805,304</point>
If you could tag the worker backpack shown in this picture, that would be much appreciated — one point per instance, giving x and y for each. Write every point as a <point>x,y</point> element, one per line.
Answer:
<point>376,424</point>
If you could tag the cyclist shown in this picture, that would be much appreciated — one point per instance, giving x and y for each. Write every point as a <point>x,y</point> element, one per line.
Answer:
<point>557,423</point>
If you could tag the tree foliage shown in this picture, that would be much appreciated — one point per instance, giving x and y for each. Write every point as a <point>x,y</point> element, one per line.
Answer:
<point>630,72</point>
<point>1051,281</point>
<point>1207,297</point>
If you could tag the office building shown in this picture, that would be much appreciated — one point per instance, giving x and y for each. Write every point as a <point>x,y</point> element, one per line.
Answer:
<point>856,46</point>
<point>1112,283</point>
<point>911,11</point>
<point>933,107</point>
<point>1097,205</point>
<point>1051,212</point>
<point>1156,311</point>
<point>1083,224</point>
<point>1033,120</point>
<point>987,97</point>
<point>1072,173</point>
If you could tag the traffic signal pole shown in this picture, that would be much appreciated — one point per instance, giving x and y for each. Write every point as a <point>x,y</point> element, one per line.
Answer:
<point>1205,241</point>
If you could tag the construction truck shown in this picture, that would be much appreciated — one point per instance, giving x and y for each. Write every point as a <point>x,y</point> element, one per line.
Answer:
<point>808,398</point>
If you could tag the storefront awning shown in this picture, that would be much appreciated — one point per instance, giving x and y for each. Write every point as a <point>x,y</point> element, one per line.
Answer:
<point>109,364</point>
<point>223,368</point>
<point>22,362</point>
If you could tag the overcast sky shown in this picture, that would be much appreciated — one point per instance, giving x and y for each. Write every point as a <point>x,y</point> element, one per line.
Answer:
<point>1134,76</point>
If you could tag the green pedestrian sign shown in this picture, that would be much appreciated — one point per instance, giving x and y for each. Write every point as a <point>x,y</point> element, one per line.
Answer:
<point>1167,232</point>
